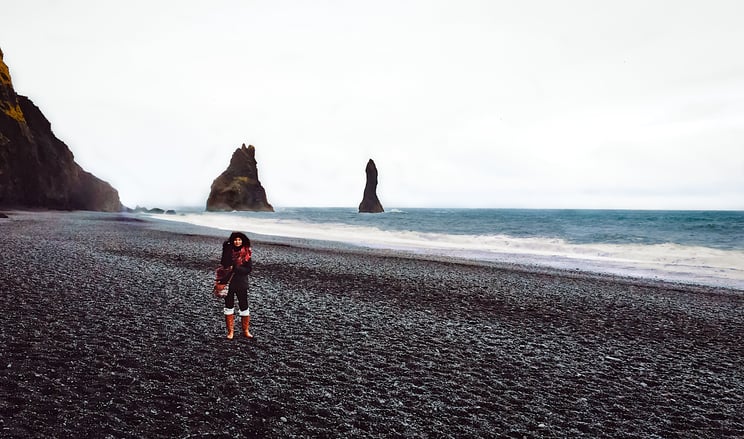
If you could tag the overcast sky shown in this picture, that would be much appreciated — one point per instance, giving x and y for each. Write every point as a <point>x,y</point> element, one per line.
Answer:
<point>545,104</point>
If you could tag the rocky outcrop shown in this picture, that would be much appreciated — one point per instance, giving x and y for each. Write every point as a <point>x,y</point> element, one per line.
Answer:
<point>238,187</point>
<point>370,203</point>
<point>140,209</point>
<point>38,170</point>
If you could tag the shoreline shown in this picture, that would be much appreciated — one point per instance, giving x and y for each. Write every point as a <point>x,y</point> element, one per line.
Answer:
<point>110,329</point>
<point>682,263</point>
<point>184,228</point>
<point>724,285</point>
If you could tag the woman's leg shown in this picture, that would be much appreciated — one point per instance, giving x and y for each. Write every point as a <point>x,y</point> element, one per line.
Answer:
<point>242,300</point>
<point>245,312</point>
<point>230,299</point>
<point>230,313</point>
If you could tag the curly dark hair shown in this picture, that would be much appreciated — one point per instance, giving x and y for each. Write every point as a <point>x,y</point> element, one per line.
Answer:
<point>241,235</point>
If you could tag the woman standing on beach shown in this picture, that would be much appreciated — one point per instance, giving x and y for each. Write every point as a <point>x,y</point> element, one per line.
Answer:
<point>236,257</point>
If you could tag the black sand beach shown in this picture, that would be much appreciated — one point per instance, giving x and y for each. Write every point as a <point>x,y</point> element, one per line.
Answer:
<point>109,330</point>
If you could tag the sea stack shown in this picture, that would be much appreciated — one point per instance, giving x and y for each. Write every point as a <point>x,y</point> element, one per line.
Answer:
<point>370,203</point>
<point>238,187</point>
<point>37,170</point>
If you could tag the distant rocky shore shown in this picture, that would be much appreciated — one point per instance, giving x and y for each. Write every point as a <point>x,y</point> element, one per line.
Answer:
<point>140,209</point>
<point>38,171</point>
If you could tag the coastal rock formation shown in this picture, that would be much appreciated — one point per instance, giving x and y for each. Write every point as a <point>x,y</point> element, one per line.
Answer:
<point>238,187</point>
<point>370,203</point>
<point>36,168</point>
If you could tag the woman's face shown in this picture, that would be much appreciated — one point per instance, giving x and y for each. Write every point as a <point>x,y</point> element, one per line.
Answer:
<point>238,241</point>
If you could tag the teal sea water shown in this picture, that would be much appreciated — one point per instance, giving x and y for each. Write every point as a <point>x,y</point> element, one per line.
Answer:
<point>705,247</point>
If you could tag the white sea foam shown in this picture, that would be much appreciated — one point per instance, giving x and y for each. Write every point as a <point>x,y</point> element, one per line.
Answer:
<point>673,262</point>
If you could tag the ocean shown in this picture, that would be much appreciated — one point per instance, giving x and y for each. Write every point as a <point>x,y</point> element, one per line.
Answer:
<point>700,247</point>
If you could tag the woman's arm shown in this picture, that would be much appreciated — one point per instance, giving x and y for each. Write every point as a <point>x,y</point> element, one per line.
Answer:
<point>245,268</point>
<point>226,260</point>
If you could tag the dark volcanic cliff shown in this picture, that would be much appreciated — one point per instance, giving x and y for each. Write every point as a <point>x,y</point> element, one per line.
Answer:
<point>370,203</point>
<point>238,187</point>
<point>38,170</point>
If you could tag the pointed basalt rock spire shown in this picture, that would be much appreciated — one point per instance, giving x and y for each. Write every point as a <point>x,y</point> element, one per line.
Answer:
<point>370,203</point>
<point>36,168</point>
<point>238,187</point>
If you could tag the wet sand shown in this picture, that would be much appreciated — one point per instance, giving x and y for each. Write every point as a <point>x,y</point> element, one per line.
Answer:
<point>109,330</point>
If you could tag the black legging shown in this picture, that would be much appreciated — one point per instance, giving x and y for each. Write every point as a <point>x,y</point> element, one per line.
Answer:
<point>242,298</point>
